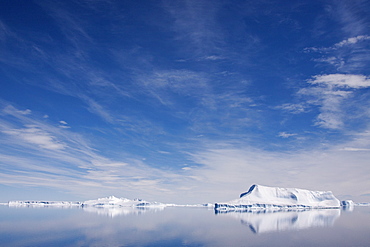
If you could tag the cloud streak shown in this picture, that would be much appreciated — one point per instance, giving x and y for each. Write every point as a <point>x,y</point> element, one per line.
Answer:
<point>195,23</point>
<point>342,80</point>
<point>352,41</point>
<point>33,135</point>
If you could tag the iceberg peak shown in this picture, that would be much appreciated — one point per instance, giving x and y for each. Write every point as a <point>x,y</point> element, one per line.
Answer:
<point>254,186</point>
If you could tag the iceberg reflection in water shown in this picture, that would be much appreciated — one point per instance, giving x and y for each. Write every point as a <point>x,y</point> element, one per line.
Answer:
<point>180,226</point>
<point>262,221</point>
<point>119,211</point>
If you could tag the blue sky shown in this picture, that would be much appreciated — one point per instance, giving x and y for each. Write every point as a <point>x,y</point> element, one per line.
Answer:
<point>183,101</point>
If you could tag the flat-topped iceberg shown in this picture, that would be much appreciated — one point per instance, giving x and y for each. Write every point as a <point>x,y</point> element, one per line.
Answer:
<point>275,199</point>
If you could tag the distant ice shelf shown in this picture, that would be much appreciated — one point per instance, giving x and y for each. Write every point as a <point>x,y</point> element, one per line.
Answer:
<point>105,202</point>
<point>362,204</point>
<point>43,204</point>
<point>272,199</point>
<point>257,199</point>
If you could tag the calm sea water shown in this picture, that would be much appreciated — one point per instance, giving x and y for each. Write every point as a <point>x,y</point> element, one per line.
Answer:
<point>181,227</point>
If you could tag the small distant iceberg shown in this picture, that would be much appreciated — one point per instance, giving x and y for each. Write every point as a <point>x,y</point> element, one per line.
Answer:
<point>112,202</point>
<point>272,199</point>
<point>347,205</point>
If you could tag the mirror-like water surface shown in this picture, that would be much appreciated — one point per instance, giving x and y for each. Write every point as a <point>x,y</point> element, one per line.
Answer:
<point>181,227</point>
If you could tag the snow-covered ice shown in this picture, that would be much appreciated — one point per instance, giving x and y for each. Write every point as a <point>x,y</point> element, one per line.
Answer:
<point>105,202</point>
<point>257,198</point>
<point>43,204</point>
<point>112,201</point>
<point>277,199</point>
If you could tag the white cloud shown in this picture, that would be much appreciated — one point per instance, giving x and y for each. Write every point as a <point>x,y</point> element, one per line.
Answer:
<point>356,149</point>
<point>349,56</point>
<point>330,101</point>
<point>329,120</point>
<point>25,112</point>
<point>231,170</point>
<point>213,58</point>
<point>64,125</point>
<point>294,108</point>
<point>9,109</point>
<point>353,40</point>
<point>342,80</point>
<point>336,61</point>
<point>331,93</point>
<point>40,154</point>
<point>34,135</point>
<point>97,109</point>
<point>220,172</point>
<point>286,135</point>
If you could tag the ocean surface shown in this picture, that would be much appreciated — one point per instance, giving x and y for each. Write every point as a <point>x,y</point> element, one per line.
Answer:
<point>181,226</point>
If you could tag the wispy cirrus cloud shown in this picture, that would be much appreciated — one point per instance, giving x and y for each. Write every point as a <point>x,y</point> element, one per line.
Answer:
<point>227,168</point>
<point>5,32</point>
<point>62,67</point>
<point>165,86</point>
<point>195,22</point>
<point>333,93</point>
<point>351,55</point>
<point>194,97</point>
<point>48,155</point>
<point>215,171</point>
<point>346,43</point>
<point>286,135</point>
<point>34,135</point>
<point>70,25</point>
<point>352,41</point>
<point>294,108</point>
<point>330,95</point>
<point>351,15</point>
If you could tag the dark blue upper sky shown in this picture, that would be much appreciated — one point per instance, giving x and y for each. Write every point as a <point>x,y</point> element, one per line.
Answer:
<point>183,101</point>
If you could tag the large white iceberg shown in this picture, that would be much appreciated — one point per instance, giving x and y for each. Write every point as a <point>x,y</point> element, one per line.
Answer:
<point>275,199</point>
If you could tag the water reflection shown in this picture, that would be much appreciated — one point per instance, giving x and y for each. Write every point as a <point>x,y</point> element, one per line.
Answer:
<point>119,211</point>
<point>175,226</point>
<point>261,222</point>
